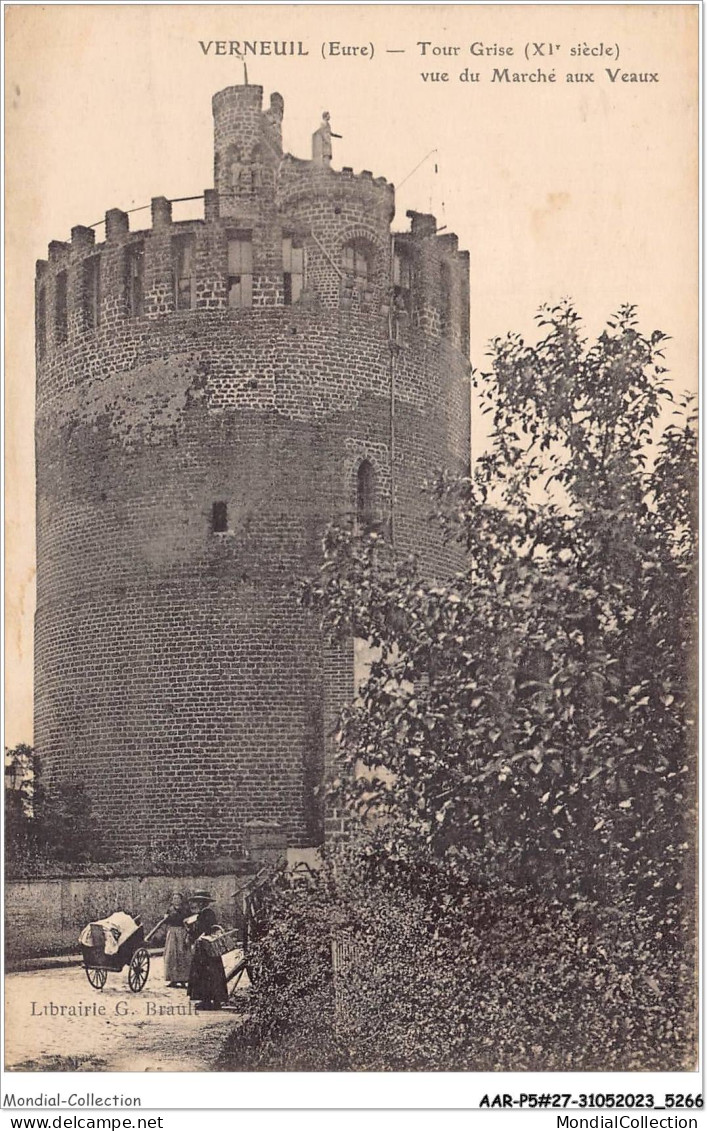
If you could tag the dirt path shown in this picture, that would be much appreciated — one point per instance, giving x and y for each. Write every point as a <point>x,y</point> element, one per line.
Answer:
<point>112,1030</point>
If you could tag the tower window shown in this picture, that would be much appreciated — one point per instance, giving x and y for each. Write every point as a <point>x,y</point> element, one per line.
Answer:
<point>355,262</point>
<point>60,308</point>
<point>92,292</point>
<point>183,262</point>
<point>41,324</point>
<point>134,280</point>
<point>445,298</point>
<point>240,270</point>
<point>402,281</point>
<point>292,269</point>
<point>365,495</point>
<point>219,518</point>
<point>60,312</point>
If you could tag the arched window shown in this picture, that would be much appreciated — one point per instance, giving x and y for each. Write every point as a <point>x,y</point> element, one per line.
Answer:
<point>365,495</point>
<point>356,261</point>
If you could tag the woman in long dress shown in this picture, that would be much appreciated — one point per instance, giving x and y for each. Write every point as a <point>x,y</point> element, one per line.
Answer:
<point>177,953</point>
<point>207,978</point>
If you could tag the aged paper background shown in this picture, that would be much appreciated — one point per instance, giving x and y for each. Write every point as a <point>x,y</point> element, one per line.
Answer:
<point>586,190</point>
<point>557,189</point>
<point>580,189</point>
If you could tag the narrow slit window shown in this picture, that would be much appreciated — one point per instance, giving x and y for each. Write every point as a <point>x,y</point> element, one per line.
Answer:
<point>92,292</point>
<point>183,270</point>
<point>41,322</point>
<point>445,298</point>
<point>365,495</point>
<point>292,269</point>
<point>135,280</point>
<point>402,281</point>
<point>60,309</point>
<point>240,270</point>
<point>219,518</point>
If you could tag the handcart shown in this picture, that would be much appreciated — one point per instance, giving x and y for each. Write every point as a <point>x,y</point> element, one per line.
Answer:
<point>127,936</point>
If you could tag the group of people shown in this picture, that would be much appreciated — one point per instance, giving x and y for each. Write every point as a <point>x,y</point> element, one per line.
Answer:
<point>191,951</point>
<point>188,960</point>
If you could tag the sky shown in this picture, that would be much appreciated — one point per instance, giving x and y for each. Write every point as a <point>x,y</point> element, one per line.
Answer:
<point>583,189</point>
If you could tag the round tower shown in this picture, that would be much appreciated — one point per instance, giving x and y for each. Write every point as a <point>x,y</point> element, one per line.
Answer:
<point>210,394</point>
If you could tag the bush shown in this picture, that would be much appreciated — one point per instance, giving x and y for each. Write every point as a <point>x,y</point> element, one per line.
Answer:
<point>291,1024</point>
<point>508,982</point>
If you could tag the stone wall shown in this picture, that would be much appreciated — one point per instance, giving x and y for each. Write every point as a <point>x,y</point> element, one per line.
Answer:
<point>44,917</point>
<point>175,671</point>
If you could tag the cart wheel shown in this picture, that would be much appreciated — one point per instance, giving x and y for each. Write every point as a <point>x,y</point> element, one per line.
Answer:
<point>96,977</point>
<point>138,969</point>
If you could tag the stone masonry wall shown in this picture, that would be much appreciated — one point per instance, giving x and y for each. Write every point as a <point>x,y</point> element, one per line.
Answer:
<point>175,670</point>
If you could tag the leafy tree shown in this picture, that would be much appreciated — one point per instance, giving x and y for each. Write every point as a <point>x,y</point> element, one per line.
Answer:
<point>532,719</point>
<point>521,754</point>
<point>19,796</point>
<point>53,823</point>
<point>68,830</point>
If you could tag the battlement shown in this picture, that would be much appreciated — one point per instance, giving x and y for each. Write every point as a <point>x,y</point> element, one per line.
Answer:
<point>322,252</point>
<point>277,230</point>
<point>301,180</point>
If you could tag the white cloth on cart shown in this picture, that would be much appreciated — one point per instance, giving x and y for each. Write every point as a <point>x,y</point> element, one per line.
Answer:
<point>116,928</point>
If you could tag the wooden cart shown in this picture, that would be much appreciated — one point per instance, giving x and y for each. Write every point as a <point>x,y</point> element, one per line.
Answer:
<point>132,952</point>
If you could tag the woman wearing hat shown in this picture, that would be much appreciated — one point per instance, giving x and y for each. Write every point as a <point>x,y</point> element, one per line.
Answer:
<point>207,979</point>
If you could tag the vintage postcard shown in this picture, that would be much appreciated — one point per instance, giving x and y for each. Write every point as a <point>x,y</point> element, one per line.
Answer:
<point>351,502</point>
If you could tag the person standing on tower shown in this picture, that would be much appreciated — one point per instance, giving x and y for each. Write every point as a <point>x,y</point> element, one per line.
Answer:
<point>321,142</point>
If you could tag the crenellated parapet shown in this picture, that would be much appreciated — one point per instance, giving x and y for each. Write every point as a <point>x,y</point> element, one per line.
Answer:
<point>317,253</point>
<point>277,231</point>
<point>431,281</point>
<point>305,180</point>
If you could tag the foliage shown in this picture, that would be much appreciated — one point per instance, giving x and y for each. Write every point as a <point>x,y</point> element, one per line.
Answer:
<point>45,823</point>
<point>19,792</point>
<point>496,986</point>
<point>521,756</point>
<point>292,1020</point>
<point>180,848</point>
<point>68,830</point>
<point>531,720</point>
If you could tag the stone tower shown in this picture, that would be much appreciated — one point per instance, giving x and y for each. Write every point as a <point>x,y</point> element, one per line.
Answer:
<point>211,393</point>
